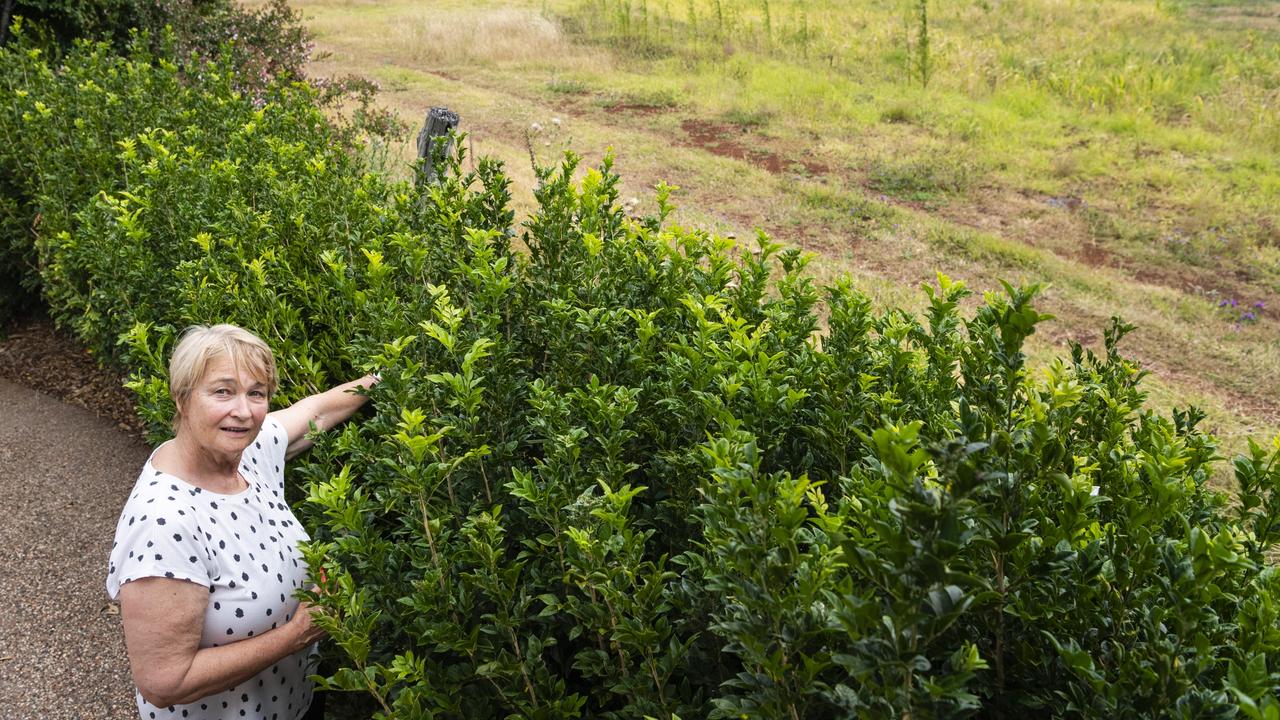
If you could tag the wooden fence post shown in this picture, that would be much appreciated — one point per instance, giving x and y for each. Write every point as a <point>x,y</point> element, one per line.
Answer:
<point>438,124</point>
<point>4,22</point>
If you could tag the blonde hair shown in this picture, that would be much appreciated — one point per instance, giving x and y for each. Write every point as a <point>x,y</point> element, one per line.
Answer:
<point>201,345</point>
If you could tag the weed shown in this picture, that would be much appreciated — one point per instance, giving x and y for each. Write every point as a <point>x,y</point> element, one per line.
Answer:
<point>901,113</point>
<point>841,207</point>
<point>1240,312</point>
<point>546,141</point>
<point>920,179</point>
<point>1110,228</point>
<point>748,119</point>
<point>982,247</point>
<point>1064,166</point>
<point>919,48</point>
<point>660,99</point>
<point>564,86</point>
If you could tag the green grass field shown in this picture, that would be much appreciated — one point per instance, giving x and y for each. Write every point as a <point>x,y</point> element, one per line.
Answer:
<point>1127,153</point>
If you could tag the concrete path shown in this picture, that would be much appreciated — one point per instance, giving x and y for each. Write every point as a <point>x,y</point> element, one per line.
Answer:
<point>64,475</point>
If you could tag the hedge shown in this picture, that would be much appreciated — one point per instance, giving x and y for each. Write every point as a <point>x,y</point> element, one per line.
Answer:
<point>622,468</point>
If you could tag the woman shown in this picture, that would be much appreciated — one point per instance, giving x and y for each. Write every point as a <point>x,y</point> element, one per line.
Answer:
<point>206,559</point>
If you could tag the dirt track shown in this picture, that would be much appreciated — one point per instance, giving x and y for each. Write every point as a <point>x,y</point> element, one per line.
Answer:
<point>64,475</point>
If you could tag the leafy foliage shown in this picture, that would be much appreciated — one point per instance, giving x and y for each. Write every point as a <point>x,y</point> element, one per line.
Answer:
<point>122,123</point>
<point>262,43</point>
<point>614,468</point>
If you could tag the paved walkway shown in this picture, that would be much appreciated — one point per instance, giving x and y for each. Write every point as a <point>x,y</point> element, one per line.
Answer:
<point>64,475</point>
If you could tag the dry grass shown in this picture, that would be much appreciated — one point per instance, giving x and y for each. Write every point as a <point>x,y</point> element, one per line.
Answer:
<point>1258,16</point>
<point>442,35</point>
<point>490,37</point>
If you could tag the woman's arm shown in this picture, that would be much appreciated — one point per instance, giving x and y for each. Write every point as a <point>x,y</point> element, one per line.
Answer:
<point>325,409</point>
<point>163,620</point>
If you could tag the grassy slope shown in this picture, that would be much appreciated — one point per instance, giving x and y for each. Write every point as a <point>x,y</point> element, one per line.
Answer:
<point>1101,147</point>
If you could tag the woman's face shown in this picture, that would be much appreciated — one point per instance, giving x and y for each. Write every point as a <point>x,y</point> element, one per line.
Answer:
<point>225,410</point>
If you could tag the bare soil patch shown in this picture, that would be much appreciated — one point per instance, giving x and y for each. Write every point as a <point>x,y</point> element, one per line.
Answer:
<point>35,354</point>
<point>1093,255</point>
<point>726,140</point>
<point>641,109</point>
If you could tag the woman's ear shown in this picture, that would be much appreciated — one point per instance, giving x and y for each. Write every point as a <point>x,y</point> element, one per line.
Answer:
<point>178,414</point>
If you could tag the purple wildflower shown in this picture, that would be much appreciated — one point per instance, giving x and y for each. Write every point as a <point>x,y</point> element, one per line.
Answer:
<point>1259,305</point>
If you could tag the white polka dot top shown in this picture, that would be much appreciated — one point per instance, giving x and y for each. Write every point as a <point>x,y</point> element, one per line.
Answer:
<point>244,548</point>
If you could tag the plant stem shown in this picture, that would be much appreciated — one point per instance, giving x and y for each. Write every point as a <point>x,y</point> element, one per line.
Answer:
<point>999,649</point>
<point>653,672</point>
<point>524,673</point>
<point>488,496</point>
<point>431,542</point>
<point>373,690</point>
<point>613,625</point>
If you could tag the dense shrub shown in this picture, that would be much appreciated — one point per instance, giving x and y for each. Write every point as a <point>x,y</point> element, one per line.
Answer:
<point>621,475</point>
<point>114,119</point>
<point>263,42</point>
<point>68,20</point>
<point>619,468</point>
<point>58,133</point>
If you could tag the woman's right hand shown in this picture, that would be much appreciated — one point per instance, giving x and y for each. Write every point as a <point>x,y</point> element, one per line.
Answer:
<point>303,625</point>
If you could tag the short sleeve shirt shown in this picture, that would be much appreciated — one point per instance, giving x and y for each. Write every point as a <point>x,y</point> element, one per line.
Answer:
<point>244,549</point>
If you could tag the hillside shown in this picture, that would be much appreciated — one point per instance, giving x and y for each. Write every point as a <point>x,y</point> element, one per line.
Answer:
<point>1125,153</point>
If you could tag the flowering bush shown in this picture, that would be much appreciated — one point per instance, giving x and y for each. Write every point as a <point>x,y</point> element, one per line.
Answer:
<point>1240,313</point>
<point>614,468</point>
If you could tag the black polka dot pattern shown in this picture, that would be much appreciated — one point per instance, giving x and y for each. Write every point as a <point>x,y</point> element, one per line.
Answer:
<point>208,538</point>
